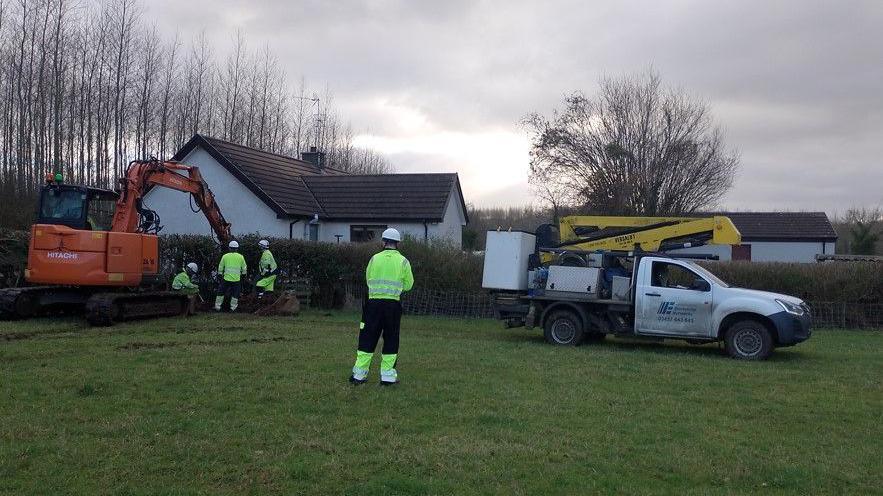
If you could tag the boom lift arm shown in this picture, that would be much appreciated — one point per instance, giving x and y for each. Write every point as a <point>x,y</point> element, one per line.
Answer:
<point>590,233</point>
<point>142,175</point>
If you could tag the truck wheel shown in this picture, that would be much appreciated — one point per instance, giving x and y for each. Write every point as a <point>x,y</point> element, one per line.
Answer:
<point>748,340</point>
<point>563,327</point>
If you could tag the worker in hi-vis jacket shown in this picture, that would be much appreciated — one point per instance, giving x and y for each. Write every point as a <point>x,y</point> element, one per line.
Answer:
<point>388,275</point>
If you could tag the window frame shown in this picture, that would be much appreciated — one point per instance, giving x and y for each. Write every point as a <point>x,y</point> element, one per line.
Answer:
<point>696,275</point>
<point>367,228</point>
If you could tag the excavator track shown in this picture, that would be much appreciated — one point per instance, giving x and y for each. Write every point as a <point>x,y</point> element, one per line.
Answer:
<point>103,309</point>
<point>15,303</point>
<point>23,303</point>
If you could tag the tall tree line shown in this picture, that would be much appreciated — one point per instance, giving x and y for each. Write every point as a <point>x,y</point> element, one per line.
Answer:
<point>87,88</point>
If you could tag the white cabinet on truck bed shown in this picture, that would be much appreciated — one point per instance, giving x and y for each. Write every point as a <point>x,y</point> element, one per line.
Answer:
<point>505,260</point>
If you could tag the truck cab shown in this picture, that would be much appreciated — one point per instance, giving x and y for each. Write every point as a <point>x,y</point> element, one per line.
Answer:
<point>681,299</point>
<point>579,297</point>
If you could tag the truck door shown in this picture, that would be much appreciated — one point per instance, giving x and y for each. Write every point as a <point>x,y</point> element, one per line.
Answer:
<point>672,300</point>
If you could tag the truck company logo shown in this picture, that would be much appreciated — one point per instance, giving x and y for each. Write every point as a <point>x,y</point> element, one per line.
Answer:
<point>62,255</point>
<point>670,311</point>
<point>666,308</point>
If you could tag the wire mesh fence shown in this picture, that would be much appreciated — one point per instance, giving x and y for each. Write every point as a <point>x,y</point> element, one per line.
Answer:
<point>429,302</point>
<point>846,315</point>
<point>433,302</point>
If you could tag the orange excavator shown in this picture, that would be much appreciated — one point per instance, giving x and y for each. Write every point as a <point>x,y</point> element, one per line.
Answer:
<point>98,249</point>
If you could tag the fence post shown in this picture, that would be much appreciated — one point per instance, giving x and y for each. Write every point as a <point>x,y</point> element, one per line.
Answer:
<point>844,316</point>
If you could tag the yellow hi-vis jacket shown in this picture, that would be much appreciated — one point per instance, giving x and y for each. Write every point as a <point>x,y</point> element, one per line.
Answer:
<point>267,263</point>
<point>182,281</point>
<point>232,266</point>
<point>388,275</point>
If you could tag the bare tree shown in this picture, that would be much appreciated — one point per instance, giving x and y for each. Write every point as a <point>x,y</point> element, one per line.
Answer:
<point>83,90</point>
<point>864,229</point>
<point>636,148</point>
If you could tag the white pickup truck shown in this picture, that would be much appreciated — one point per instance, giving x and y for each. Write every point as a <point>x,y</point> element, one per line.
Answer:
<point>651,296</point>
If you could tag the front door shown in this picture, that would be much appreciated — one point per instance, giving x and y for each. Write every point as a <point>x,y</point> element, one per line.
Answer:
<point>676,302</point>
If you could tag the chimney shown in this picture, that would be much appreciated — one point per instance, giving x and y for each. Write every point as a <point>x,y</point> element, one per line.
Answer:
<point>315,157</point>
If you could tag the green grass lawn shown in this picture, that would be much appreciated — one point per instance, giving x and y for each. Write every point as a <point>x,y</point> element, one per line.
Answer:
<point>237,405</point>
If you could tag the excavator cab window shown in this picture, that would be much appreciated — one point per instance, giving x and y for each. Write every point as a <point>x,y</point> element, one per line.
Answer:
<point>77,207</point>
<point>100,212</point>
<point>63,205</point>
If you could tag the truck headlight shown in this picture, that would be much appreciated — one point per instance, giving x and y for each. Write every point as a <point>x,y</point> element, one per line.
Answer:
<point>791,308</point>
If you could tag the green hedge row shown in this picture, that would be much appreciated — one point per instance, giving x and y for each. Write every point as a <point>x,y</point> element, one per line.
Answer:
<point>829,281</point>
<point>444,268</point>
<point>327,264</point>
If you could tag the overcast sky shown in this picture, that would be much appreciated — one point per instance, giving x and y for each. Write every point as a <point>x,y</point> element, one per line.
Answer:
<point>441,85</point>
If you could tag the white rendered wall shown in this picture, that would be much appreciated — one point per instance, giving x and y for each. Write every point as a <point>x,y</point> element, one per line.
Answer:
<point>771,251</point>
<point>245,211</point>
<point>451,226</point>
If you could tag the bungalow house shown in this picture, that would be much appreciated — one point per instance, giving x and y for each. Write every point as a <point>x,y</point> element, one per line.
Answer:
<point>280,196</point>
<point>776,237</point>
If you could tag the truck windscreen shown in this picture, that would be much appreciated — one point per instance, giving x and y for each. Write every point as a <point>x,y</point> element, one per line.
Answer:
<point>708,275</point>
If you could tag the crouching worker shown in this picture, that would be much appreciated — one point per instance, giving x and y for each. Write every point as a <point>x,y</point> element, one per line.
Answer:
<point>182,281</point>
<point>231,269</point>
<point>267,268</point>
<point>388,275</point>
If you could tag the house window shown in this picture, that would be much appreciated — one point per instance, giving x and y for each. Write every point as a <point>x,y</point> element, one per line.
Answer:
<point>314,231</point>
<point>365,234</point>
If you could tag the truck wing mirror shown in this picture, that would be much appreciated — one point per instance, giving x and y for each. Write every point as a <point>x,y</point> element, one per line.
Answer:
<point>700,284</point>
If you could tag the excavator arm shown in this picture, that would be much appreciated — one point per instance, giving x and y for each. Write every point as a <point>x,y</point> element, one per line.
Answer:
<point>142,175</point>
<point>590,233</point>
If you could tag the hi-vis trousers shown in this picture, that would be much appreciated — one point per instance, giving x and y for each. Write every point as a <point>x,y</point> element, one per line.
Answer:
<point>380,318</point>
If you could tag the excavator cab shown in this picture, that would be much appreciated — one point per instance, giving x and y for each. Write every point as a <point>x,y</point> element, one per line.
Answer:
<point>77,207</point>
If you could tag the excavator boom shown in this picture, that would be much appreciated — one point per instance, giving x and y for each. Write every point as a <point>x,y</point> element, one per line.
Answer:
<point>141,176</point>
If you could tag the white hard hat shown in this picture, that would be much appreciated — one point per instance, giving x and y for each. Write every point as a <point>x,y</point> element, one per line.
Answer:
<point>392,235</point>
<point>264,244</point>
<point>193,267</point>
<point>234,244</point>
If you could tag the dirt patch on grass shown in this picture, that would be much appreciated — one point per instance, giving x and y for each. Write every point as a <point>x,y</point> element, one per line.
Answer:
<point>135,346</point>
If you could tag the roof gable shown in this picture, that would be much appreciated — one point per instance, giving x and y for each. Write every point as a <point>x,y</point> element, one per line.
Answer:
<point>275,179</point>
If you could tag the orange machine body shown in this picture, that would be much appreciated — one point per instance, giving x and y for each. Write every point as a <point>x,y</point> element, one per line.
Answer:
<point>71,248</point>
<point>62,255</point>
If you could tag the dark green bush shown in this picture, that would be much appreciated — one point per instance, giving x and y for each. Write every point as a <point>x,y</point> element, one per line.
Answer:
<point>830,281</point>
<point>329,266</point>
<point>13,256</point>
<point>443,268</point>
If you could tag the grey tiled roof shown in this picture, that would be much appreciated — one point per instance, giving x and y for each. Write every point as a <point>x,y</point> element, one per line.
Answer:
<point>295,188</point>
<point>386,196</point>
<point>785,226</point>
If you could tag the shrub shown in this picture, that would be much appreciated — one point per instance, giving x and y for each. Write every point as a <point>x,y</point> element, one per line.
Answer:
<point>441,267</point>
<point>830,281</point>
<point>329,266</point>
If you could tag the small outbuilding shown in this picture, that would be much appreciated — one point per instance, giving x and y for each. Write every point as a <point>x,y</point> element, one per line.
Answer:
<point>776,237</point>
<point>280,196</point>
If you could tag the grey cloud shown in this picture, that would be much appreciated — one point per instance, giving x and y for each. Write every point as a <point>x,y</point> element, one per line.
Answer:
<point>795,84</point>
